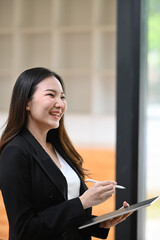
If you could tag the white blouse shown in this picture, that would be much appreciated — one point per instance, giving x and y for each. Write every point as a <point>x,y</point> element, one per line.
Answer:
<point>71,176</point>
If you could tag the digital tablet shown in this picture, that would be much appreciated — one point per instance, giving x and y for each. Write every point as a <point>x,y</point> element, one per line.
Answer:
<point>119,212</point>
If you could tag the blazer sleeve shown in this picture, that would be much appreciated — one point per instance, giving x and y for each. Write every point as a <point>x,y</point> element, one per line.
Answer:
<point>96,231</point>
<point>27,224</point>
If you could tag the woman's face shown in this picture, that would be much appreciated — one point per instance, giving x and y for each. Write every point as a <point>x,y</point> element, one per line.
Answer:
<point>47,106</point>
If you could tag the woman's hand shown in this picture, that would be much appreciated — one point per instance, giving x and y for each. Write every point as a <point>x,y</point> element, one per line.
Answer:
<point>114,221</point>
<point>98,193</point>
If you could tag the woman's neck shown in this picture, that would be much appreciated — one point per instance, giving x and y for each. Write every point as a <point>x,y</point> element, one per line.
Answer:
<point>39,134</point>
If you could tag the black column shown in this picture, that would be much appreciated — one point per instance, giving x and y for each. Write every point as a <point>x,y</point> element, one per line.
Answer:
<point>128,86</point>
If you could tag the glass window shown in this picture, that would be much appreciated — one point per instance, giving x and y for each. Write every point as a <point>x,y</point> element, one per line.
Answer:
<point>153,119</point>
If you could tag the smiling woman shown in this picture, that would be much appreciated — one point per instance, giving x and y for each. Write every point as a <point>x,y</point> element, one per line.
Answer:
<point>46,107</point>
<point>41,173</point>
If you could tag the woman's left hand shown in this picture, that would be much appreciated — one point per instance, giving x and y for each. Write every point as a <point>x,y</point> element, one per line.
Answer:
<point>114,221</point>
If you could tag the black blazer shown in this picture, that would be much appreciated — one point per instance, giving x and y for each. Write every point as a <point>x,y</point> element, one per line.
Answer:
<point>35,195</point>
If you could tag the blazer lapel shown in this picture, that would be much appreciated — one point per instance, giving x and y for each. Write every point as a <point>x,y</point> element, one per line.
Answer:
<point>46,163</point>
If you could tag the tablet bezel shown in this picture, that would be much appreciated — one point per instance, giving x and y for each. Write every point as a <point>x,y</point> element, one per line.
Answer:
<point>119,212</point>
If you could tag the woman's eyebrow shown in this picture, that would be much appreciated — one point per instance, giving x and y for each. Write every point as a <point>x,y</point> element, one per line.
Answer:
<point>52,90</point>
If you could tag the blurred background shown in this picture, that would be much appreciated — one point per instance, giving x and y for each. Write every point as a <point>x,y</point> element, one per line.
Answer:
<point>153,119</point>
<point>77,39</point>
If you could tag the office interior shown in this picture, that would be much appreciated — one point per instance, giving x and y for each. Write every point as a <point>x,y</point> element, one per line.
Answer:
<point>81,41</point>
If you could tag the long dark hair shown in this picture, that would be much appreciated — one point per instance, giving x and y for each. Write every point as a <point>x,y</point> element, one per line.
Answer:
<point>23,91</point>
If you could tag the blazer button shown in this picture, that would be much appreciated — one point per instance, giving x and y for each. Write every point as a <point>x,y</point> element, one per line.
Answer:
<point>64,235</point>
<point>51,196</point>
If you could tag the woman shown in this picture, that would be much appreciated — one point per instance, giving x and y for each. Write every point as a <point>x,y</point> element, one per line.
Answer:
<point>41,174</point>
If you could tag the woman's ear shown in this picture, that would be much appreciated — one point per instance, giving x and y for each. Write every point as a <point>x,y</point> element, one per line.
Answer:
<point>28,106</point>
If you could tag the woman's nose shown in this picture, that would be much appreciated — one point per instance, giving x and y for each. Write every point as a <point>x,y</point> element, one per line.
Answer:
<point>59,102</point>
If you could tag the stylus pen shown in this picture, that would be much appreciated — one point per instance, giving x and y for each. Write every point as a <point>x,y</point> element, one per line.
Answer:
<point>116,186</point>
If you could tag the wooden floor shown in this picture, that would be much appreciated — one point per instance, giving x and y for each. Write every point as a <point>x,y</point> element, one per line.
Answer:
<point>101,165</point>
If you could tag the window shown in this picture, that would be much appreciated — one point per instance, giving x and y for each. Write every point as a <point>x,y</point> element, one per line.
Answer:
<point>153,119</point>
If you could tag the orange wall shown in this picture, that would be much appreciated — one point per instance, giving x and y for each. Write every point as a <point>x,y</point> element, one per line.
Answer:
<point>101,166</point>
<point>3,221</point>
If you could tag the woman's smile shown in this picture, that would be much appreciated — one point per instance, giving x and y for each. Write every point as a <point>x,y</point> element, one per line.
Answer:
<point>55,114</point>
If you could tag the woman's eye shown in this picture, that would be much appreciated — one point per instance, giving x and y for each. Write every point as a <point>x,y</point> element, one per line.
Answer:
<point>50,94</point>
<point>63,97</point>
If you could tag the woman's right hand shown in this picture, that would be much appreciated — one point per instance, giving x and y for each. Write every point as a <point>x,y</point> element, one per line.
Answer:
<point>98,193</point>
